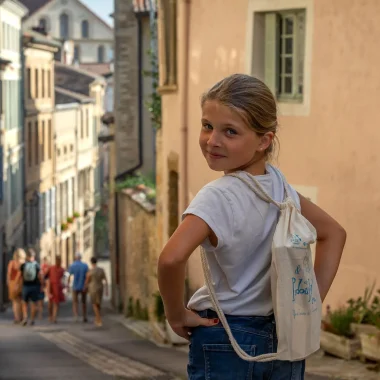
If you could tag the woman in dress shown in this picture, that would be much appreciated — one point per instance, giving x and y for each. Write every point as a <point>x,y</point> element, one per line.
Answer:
<point>14,285</point>
<point>55,288</point>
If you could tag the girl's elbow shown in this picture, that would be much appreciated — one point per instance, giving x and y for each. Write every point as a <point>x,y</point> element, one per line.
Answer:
<point>168,260</point>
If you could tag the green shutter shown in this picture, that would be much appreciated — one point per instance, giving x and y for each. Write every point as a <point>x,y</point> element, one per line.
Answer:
<point>272,41</point>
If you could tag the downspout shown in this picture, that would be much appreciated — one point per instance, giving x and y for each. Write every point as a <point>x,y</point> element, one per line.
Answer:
<point>184,111</point>
<point>23,112</point>
<point>183,175</point>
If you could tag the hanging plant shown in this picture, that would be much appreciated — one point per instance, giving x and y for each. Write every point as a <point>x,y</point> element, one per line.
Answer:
<point>153,103</point>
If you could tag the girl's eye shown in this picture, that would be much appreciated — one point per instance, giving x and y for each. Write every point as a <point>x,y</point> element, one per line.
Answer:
<point>231,132</point>
<point>207,126</point>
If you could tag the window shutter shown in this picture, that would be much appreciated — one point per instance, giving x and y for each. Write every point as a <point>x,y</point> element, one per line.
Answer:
<point>272,46</point>
<point>48,209</point>
<point>53,209</point>
<point>40,214</point>
<point>70,200</point>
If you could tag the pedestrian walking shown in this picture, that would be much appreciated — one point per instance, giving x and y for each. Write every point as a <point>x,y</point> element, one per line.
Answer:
<point>54,288</point>
<point>78,270</point>
<point>14,283</point>
<point>44,269</point>
<point>31,275</point>
<point>236,226</point>
<point>95,281</point>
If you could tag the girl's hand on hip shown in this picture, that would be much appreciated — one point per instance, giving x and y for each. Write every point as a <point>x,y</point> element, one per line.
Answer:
<point>190,320</point>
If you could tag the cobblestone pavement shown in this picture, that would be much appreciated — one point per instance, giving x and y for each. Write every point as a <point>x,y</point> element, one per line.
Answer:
<point>79,351</point>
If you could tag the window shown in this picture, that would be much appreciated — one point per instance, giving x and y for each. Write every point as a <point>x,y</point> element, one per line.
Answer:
<point>29,82</point>
<point>77,53</point>
<point>49,83</point>
<point>84,29</point>
<point>81,123</point>
<point>100,53</point>
<point>168,43</point>
<point>71,148</point>
<point>284,54</point>
<point>43,24</point>
<point>43,83</point>
<point>30,142</point>
<point>64,150</point>
<point>36,84</point>
<point>64,25</point>
<point>36,142</point>
<point>87,124</point>
<point>43,141</point>
<point>50,140</point>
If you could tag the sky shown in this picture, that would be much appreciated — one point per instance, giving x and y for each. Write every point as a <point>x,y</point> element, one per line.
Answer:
<point>102,8</point>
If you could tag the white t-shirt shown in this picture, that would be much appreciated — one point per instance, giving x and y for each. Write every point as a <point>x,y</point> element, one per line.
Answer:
<point>244,225</point>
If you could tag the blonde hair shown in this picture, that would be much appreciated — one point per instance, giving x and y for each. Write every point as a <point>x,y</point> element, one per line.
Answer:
<point>252,100</point>
<point>19,255</point>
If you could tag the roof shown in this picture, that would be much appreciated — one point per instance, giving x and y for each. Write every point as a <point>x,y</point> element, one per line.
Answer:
<point>40,38</point>
<point>96,68</point>
<point>75,79</point>
<point>63,96</point>
<point>143,5</point>
<point>34,5</point>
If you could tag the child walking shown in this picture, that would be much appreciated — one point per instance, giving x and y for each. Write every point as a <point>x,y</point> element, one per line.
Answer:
<point>236,228</point>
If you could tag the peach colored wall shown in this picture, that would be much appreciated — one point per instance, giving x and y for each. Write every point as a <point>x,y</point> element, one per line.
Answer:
<point>322,150</point>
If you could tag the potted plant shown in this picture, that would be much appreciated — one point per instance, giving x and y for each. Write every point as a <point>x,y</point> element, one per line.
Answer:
<point>337,337</point>
<point>370,339</point>
<point>76,214</point>
<point>64,226</point>
<point>363,309</point>
<point>70,220</point>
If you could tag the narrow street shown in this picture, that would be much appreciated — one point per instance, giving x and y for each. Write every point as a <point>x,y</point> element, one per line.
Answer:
<point>77,351</point>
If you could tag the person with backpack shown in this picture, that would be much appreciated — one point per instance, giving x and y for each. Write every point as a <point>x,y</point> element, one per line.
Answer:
<point>31,275</point>
<point>262,298</point>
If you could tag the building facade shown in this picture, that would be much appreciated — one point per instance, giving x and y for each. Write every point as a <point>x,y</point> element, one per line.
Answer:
<point>80,95</point>
<point>325,78</point>
<point>72,20</point>
<point>40,189</point>
<point>135,136</point>
<point>11,135</point>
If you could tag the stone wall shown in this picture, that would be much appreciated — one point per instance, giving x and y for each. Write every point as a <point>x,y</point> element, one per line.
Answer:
<point>126,86</point>
<point>138,251</point>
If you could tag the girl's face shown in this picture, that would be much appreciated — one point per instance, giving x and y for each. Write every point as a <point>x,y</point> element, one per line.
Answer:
<point>227,143</point>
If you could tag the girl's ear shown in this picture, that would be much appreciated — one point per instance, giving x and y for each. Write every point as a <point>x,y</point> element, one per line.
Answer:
<point>266,140</point>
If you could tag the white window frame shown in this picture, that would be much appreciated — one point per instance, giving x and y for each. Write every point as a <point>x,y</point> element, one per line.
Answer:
<point>255,47</point>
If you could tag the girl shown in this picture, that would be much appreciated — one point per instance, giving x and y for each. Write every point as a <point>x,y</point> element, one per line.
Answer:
<point>15,283</point>
<point>236,228</point>
<point>54,288</point>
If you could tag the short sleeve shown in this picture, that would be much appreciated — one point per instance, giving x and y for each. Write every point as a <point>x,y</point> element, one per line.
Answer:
<point>213,206</point>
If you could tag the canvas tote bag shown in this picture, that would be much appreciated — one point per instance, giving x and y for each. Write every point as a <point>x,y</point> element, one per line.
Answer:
<point>295,295</point>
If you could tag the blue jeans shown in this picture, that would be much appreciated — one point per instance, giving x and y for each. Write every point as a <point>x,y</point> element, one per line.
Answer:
<point>212,356</point>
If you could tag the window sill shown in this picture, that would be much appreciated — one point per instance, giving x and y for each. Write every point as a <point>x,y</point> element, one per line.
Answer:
<point>293,108</point>
<point>167,88</point>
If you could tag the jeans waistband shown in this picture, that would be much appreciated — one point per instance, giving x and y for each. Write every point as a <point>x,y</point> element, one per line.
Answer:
<point>208,313</point>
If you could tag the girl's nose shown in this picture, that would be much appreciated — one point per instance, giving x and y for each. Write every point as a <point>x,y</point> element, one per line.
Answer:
<point>214,139</point>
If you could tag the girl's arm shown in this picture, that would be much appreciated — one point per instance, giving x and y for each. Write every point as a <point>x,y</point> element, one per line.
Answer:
<point>10,265</point>
<point>331,238</point>
<point>171,273</point>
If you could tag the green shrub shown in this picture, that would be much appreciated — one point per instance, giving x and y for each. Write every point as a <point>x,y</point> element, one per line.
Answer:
<point>159,309</point>
<point>340,321</point>
<point>130,307</point>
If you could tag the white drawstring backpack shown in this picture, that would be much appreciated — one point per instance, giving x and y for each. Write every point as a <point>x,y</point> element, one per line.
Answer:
<point>295,295</point>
